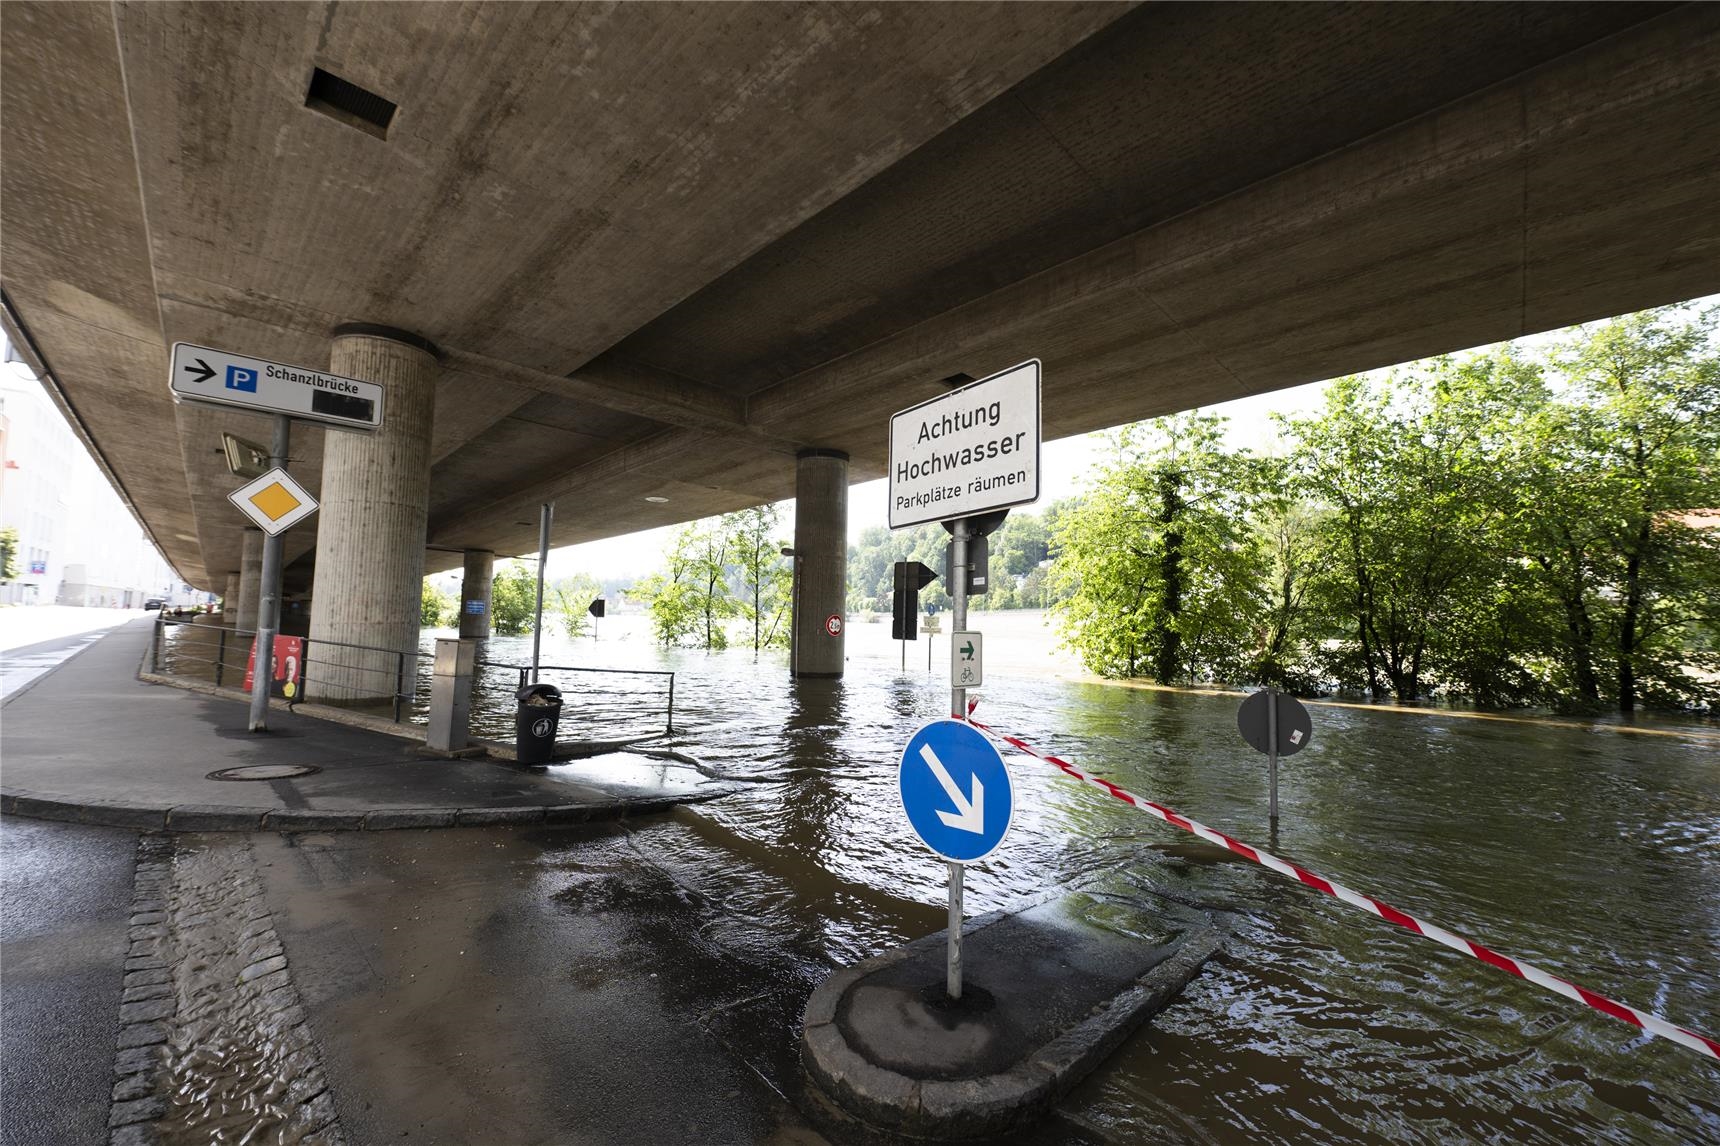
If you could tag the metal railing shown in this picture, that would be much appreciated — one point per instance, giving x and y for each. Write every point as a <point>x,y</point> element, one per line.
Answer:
<point>612,705</point>
<point>180,645</point>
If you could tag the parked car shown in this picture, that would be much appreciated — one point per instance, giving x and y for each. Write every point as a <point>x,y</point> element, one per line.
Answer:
<point>154,603</point>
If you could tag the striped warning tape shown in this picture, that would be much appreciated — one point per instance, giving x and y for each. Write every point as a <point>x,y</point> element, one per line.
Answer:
<point>1653,1024</point>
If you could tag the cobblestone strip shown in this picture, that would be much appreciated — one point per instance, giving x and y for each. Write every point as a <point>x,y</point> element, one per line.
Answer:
<point>213,1044</point>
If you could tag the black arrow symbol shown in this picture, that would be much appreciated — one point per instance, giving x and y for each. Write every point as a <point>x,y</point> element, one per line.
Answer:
<point>207,374</point>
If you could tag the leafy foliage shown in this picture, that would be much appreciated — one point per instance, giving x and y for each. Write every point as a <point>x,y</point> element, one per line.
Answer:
<point>8,554</point>
<point>1505,528</point>
<point>1161,571</point>
<point>436,608</point>
<point>513,599</point>
<point>571,597</point>
<point>764,575</point>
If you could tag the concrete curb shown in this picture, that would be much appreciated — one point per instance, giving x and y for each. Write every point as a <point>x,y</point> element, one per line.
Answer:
<point>994,1104</point>
<point>238,818</point>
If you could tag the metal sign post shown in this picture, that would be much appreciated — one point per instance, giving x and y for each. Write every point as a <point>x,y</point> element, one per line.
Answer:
<point>546,517</point>
<point>1277,724</point>
<point>269,603</point>
<point>958,589</point>
<point>1272,757</point>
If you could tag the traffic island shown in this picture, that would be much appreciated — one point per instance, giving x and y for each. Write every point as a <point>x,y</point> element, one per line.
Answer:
<point>1048,994</point>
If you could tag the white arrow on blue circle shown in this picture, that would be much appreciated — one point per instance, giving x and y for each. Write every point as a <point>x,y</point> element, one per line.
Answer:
<point>955,790</point>
<point>969,815</point>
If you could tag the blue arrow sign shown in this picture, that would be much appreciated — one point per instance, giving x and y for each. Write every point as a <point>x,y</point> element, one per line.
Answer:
<point>955,791</point>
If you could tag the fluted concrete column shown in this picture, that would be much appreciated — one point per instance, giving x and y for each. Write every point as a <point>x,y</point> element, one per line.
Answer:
<point>820,562</point>
<point>250,580</point>
<point>370,534</point>
<point>230,600</point>
<point>475,593</point>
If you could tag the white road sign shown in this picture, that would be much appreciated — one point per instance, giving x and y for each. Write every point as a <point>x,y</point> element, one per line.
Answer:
<point>967,660</point>
<point>200,374</point>
<point>275,502</point>
<point>970,451</point>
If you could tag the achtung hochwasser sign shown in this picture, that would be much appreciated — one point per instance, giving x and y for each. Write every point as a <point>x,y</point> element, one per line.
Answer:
<point>970,451</point>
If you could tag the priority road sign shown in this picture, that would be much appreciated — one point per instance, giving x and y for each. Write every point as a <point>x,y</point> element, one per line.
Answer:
<point>200,374</point>
<point>275,502</point>
<point>967,660</point>
<point>955,791</point>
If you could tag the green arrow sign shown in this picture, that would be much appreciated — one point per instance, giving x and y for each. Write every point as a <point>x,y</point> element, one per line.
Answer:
<point>967,651</point>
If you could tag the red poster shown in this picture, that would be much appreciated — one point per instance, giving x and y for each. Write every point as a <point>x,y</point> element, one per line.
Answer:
<point>289,666</point>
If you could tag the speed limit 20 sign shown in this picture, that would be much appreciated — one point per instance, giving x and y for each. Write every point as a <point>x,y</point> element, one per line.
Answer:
<point>833,624</point>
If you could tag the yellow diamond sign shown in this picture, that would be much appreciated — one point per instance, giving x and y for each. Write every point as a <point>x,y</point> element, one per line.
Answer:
<point>274,501</point>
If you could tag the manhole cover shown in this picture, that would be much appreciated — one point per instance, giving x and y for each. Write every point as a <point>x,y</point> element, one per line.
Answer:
<point>265,772</point>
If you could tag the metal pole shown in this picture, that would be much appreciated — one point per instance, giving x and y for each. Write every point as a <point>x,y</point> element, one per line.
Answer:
<point>1272,753</point>
<point>953,974</point>
<point>546,516</point>
<point>269,603</point>
<point>958,709</point>
<point>220,657</point>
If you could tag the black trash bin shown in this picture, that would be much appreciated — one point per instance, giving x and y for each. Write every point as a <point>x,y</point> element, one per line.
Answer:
<point>535,721</point>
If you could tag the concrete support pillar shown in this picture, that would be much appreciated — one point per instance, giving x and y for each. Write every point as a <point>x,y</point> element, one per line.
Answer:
<point>370,533</point>
<point>250,580</point>
<point>475,594</point>
<point>230,600</point>
<point>820,563</point>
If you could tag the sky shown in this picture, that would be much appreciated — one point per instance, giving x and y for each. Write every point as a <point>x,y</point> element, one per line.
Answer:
<point>1063,469</point>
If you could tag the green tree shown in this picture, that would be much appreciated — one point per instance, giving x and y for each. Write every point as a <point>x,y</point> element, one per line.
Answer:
<point>1405,466</point>
<point>572,598</point>
<point>8,554</point>
<point>1650,383</point>
<point>513,599</point>
<point>670,595</point>
<point>1160,568</point>
<point>435,608</point>
<point>764,574</point>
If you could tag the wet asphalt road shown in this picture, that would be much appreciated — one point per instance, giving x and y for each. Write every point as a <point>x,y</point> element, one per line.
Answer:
<point>65,897</point>
<point>522,987</point>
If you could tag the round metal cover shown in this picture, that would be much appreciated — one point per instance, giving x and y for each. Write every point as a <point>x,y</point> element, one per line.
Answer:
<point>265,772</point>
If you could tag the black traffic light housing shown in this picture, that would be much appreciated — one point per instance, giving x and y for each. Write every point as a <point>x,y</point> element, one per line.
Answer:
<point>911,577</point>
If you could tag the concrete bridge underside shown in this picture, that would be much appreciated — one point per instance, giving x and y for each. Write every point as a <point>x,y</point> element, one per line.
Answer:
<point>663,249</point>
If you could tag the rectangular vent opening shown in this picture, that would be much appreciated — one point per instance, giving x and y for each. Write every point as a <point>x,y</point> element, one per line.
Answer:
<point>352,105</point>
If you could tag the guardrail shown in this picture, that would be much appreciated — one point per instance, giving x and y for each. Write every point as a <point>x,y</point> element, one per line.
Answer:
<point>381,674</point>
<point>614,705</point>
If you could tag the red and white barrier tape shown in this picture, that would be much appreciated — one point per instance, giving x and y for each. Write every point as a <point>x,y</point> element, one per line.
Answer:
<point>1653,1024</point>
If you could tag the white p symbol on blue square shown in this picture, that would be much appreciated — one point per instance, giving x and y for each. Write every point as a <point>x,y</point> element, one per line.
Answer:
<point>241,378</point>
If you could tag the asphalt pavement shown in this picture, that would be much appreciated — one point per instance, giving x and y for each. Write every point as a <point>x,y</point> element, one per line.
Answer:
<point>65,898</point>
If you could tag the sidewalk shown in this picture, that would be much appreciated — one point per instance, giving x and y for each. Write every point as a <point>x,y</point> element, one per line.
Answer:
<point>91,743</point>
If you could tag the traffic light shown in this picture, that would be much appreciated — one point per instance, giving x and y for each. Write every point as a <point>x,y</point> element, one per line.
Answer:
<point>911,577</point>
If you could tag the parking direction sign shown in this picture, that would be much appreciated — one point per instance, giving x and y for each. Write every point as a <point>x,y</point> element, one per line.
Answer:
<point>201,374</point>
<point>274,502</point>
<point>967,452</point>
<point>955,791</point>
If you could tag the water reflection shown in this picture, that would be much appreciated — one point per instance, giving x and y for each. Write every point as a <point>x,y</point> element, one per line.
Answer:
<point>1592,854</point>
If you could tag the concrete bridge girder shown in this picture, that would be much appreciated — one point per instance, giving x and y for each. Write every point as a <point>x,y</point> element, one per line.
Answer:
<point>1090,185</point>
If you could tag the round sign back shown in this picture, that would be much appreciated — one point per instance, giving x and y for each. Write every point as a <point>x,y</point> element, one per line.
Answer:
<point>1295,727</point>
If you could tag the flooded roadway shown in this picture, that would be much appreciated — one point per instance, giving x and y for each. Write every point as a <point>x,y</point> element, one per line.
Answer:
<point>1590,852</point>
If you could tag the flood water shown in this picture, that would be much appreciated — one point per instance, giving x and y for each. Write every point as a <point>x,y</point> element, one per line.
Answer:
<point>1590,851</point>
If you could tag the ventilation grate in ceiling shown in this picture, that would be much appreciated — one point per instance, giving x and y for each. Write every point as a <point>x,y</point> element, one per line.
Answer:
<point>352,105</point>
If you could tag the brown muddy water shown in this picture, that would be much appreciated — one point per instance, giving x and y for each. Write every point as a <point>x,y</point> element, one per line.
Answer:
<point>1591,852</point>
